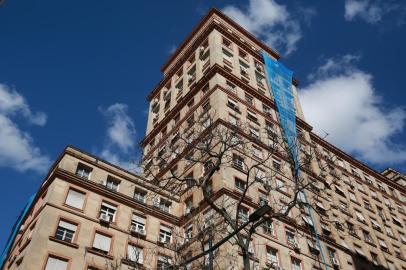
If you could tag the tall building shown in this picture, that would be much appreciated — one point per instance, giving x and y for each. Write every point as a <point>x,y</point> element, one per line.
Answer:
<point>90,214</point>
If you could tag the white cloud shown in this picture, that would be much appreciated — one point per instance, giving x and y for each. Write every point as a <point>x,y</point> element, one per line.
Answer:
<point>343,102</point>
<point>371,11</point>
<point>17,149</point>
<point>271,22</point>
<point>121,142</point>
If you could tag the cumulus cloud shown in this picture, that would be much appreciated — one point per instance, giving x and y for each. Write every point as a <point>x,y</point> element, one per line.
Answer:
<point>17,148</point>
<point>371,11</point>
<point>343,102</point>
<point>271,22</point>
<point>120,142</point>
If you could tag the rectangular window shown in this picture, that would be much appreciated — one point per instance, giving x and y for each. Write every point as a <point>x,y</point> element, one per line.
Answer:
<point>268,227</point>
<point>135,254</point>
<point>367,236</point>
<point>233,104</point>
<point>188,231</point>
<point>75,198</point>
<point>140,195</point>
<point>54,263</point>
<point>280,184</point>
<point>188,206</point>
<point>276,165</point>
<point>165,234</point>
<point>138,224</point>
<point>243,214</point>
<point>257,152</point>
<point>107,212</point>
<point>382,244</point>
<point>238,162</point>
<point>296,264</point>
<point>102,243</point>
<point>360,216</point>
<point>66,231</point>
<point>112,183</point>
<point>165,205</point>
<point>231,87</point>
<point>290,238</point>
<point>272,257</point>
<point>240,184</point>
<point>249,99</point>
<point>233,120</point>
<point>252,116</point>
<point>83,171</point>
<point>228,57</point>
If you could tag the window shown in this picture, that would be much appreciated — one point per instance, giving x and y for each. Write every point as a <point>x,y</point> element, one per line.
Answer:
<point>102,243</point>
<point>179,87</point>
<point>389,231</point>
<point>268,227</point>
<point>352,197</point>
<point>360,187</point>
<point>83,171</point>
<point>249,99</point>
<point>402,237</point>
<point>374,195</point>
<point>381,213</point>
<point>333,257</point>
<point>263,200</point>
<point>240,184</point>
<point>244,68</point>
<point>231,87</point>
<point>135,254</point>
<point>257,152</point>
<point>398,252</point>
<point>272,257</point>
<point>228,57</point>
<point>233,104</point>
<point>254,133</point>
<point>188,230</point>
<point>75,199</point>
<point>233,120</point>
<point>367,205</point>
<point>276,165</point>
<point>243,214</point>
<point>54,263</point>
<point>227,43</point>
<point>138,224</point>
<point>375,224</point>
<point>238,162</point>
<point>397,221</point>
<point>66,231</point>
<point>252,116</point>
<point>188,206</point>
<point>351,228</point>
<point>112,183</point>
<point>374,258</point>
<point>296,264</point>
<point>367,236</point>
<point>382,244</point>
<point>290,238</point>
<point>360,217</point>
<point>164,262</point>
<point>165,205</point>
<point>108,212</point>
<point>140,195</point>
<point>165,234</point>
<point>260,174</point>
<point>280,184</point>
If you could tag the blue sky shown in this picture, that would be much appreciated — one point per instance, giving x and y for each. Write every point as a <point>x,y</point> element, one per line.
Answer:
<point>77,72</point>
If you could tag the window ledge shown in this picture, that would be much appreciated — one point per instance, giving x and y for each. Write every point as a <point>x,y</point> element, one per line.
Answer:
<point>52,238</point>
<point>99,253</point>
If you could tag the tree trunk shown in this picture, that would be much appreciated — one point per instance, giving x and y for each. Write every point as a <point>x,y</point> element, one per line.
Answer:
<point>246,259</point>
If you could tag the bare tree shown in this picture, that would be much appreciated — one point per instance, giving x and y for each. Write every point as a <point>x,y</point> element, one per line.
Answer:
<point>263,160</point>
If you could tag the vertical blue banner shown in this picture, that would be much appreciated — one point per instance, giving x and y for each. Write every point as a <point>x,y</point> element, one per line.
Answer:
<point>280,82</point>
<point>16,228</point>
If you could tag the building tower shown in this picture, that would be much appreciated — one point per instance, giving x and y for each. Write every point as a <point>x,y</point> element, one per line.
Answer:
<point>215,92</point>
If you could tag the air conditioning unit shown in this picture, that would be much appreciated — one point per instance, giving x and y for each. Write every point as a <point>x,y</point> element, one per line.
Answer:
<point>105,218</point>
<point>135,229</point>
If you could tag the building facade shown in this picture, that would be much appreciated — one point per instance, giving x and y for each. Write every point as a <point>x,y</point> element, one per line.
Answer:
<point>90,214</point>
